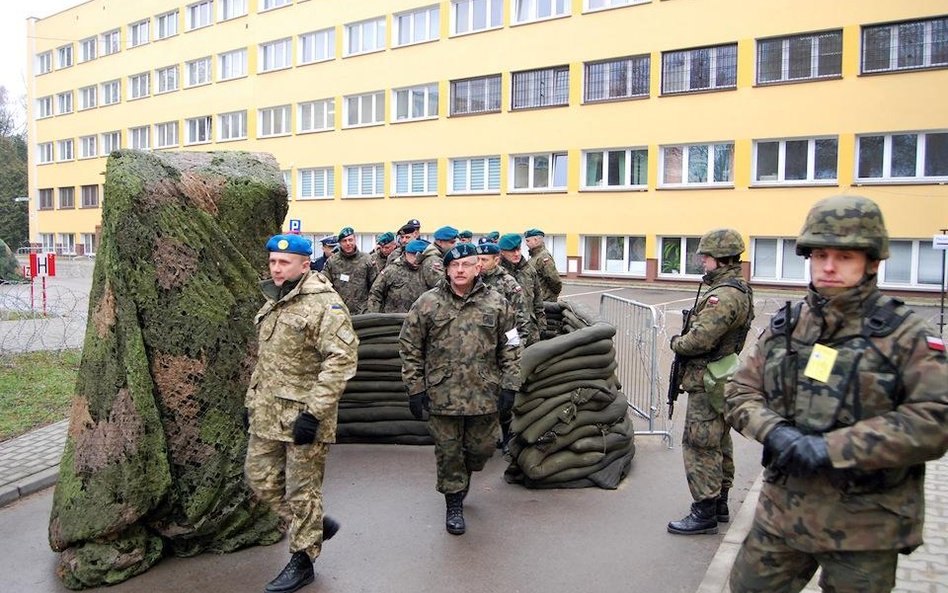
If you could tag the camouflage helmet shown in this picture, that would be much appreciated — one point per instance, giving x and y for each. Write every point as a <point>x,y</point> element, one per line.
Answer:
<point>721,243</point>
<point>845,222</point>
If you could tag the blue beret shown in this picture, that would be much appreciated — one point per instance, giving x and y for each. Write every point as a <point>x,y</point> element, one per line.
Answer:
<point>534,233</point>
<point>509,242</point>
<point>493,236</point>
<point>345,232</point>
<point>488,248</point>
<point>290,244</point>
<point>385,238</point>
<point>446,233</point>
<point>459,251</point>
<point>416,246</point>
<point>329,241</point>
<point>465,235</point>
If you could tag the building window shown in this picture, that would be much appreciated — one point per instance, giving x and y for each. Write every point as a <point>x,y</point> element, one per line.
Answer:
<point>919,156</point>
<point>111,141</point>
<point>525,11</point>
<point>365,36</point>
<point>697,164</point>
<point>87,97</point>
<point>475,175</point>
<point>315,116</point>
<point>44,152</point>
<point>799,57</point>
<point>64,55</point>
<point>44,62</point>
<point>592,5</point>
<point>913,263</point>
<point>140,138</point>
<point>111,42</point>
<point>417,26</point>
<point>45,197</point>
<point>138,33</point>
<point>198,130</point>
<point>804,160</point>
<point>699,69</point>
<point>167,24</point>
<point>468,16</point>
<point>620,168</point>
<point>365,110</point>
<point>199,15</point>
<point>538,172</point>
<point>44,107</point>
<point>139,85</point>
<point>232,64</point>
<point>540,88</point>
<point>232,126</point>
<point>67,243</point>
<point>49,244</point>
<point>275,55</point>
<point>271,4</point>
<point>87,147</point>
<point>273,121</point>
<point>365,181</point>
<point>166,134</point>
<point>318,183</point>
<point>905,46</point>
<point>776,259</point>
<point>475,95</point>
<point>67,198</point>
<point>90,196</point>
<point>87,49</point>
<point>231,9</point>
<point>64,102</point>
<point>317,46</point>
<point>111,92</point>
<point>198,71</point>
<point>167,79</point>
<point>418,178</point>
<point>65,149</point>
<point>88,243</point>
<point>677,254</point>
<point>621,78</point>
<point>419,102</point>
<point>614,255</point>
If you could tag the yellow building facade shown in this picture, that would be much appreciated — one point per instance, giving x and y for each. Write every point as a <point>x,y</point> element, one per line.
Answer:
<point>624,129</point>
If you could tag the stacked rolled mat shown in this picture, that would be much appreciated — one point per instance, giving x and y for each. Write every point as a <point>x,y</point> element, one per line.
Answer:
<point>571,424</point>
<point>374,406</point>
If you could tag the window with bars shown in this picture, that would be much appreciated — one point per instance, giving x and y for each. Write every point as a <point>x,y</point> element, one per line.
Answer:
<point>67,198</point>
<point>800,57</point>
<point>620,78</point>
<point>317,46</point>
<point>365,36</point>
<point>905,46</point>
<point>275,55</point>
<point>540,88</point>
<point>418,102</point>
<point>198,130</point>
<point>697,164</point>
<point>232,126</point>
<point>416,26</point>
<point>88,147</point>
<point>90,196</point>
<point>167,79</point>
<point>364,110</point>
<point>475,95</point>
<point>317,183</point>
<point>615,168</point>
<point>316,116</point>
<point>904,157</point>
<point>417,178</point>
<point>273,121</point>
<point>45,198</point>
<point>475,175</point>
<point>111,141</point>
<point>704,68</point>
<point>538,172</point>
<point>232,64</point>
<point>166,134</point>
<point>364,181</point>
<point>798,160</point>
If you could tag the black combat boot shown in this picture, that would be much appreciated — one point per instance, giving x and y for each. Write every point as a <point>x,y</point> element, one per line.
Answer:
<point>330,527</point>
<point>723,515</point>
<point>297,573</point>
<point>700,520</point>
<point>454,517</point>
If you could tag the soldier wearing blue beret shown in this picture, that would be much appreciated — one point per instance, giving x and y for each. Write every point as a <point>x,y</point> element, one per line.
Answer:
<point>445,238</point>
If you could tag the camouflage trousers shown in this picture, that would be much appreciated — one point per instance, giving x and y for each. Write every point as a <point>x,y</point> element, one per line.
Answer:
<point>707,449</point>
<point>289,478</point>
<point>463,444</point>
<point>766,564</point>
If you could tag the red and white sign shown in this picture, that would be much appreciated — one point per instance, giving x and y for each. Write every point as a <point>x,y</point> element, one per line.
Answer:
<point>42,264</point>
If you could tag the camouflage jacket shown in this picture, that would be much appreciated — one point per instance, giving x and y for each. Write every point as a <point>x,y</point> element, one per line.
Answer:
<point>397,287</point>
<point>719,324</point>
<point>461,350</point>
<point>378,260</point>
<point>352,277</point>
<point>500,280</point>
<point>550,283</point>
<point>527,278</point>
<point>882,408</point>
<point>395,254</point>
<point>306,352</point>
<point>432,270</point>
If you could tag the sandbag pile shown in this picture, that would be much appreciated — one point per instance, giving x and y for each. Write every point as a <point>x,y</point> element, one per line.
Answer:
<point>374,406</point>
<point>571,426</point>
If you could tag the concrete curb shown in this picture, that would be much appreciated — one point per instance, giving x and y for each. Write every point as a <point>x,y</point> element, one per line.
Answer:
<point>14,491</point>
<point>716,579</point>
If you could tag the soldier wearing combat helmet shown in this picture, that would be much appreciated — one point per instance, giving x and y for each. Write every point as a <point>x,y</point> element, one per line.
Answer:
<point>715,335</point>
<point>848,392</point>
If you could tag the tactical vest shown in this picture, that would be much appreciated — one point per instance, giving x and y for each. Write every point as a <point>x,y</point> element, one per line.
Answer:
<point>731,342</point>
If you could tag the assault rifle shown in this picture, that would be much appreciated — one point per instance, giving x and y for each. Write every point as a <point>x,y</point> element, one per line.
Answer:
<point>678,363</point>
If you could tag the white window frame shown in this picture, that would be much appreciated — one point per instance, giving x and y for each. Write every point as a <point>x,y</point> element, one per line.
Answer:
<point>418,25</point>
<point>364,37</point>
<point>139,86</point>
<point>44,107</point>
<point>67,243</point>
<point>894,32</point>
<point>781,176</point>
<point>64,103</point>
<point>88,146</point>
<point>138,33</point>
<point>784,247</point>
<point>85,199</point>
<point>268,5</point>
<point>44,153</point>
<point>44,62</point>
<point>405,97</point>
<point>687,247</point>
<point>198,72</point>
<point>316,116</point>
<point>914,262</point>
<point>111,92</point>
<point>88,97</point>
<point>65,150</point>
<point>166,25</point>
<point>111,42</point>
<point>406,174</point>
<point>369,109</point>
<point>199,15</point>
<point>274,121</point>
<point>921,149</point>
<point>88,243</point>
<point>607,154</point>
<point>64,57</point>
<point>48,241</point>
<point>555,160</point>
<point>88,49</point>
<point>316,183</point>
<point>166,79</point>
<point>489,167</point>
<point>232,126</point>
<point>463,15</point>
<point>231,9</point>
<point>636,79</point>
<point>275,55</point>
<point>111,141</point>
<point>685,162</point>
<point>597,5</point>
<point>166,134</point>
<point>531,11</point>
<point>371,176</point>
<point>625,266</point>
<point>529,88</point>
<point>717,54</point>
<point>139,138</point>
<point>825,44</point>
<point>232,64</point>
<point>316,46</point>
<point>466,91</point>
<point>198,130</point>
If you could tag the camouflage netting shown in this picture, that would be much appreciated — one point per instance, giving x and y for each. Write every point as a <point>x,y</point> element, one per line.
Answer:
<point>153,462</point>
<point>9,266</point>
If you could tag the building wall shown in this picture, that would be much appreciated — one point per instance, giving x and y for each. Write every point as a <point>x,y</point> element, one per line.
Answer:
<point>841,107</point>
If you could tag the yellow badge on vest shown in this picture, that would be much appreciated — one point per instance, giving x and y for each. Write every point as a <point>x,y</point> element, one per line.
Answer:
<point>821,362</point>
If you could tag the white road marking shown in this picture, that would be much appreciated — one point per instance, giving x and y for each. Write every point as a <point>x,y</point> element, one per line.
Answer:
<point>566,296</point>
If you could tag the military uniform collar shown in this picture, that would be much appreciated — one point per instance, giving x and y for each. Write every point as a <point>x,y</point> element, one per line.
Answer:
<point>717,275</point>
<point>844,310</point>
<point>272,291</point>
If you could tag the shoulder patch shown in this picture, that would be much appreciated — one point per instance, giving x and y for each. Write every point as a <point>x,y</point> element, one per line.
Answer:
<point>713,300</point>
<point>336,306</point>
<point>935,343</point>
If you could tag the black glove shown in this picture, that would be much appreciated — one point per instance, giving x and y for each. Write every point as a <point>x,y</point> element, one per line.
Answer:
<point>506,401</point>
<point>304,429</point>
<point>777,441</point>
<point>246,419</point>
<point>804,457</point>
<point>418,404</point>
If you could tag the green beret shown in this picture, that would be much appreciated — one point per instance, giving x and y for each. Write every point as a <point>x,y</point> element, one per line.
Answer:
<point>493,236</point>
<point>385,238</point>
<point>461,250</point>
<point>465,235</point>
<point>510,242</point>
<point>290,244</point>
<point>534,233</point>
<point>345,232</point>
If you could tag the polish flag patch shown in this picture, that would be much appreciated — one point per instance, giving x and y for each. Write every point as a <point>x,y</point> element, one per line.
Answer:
<point>935,343</point>
<point>713,300</point>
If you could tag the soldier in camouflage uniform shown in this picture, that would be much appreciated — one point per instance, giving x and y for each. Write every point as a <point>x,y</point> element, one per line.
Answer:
<point>465,236</point>
<point>351,272</point>
<point>542,262</point>
<point>848,392</point>
<point>306,353</point>
<point>329,246</point>
<point>518,267</point>
<point>718,327</point>
<point>385,245</point>
<point>460,355</point>
<point>409,231</point>
<point>400,283</point>
<point>445,239</point>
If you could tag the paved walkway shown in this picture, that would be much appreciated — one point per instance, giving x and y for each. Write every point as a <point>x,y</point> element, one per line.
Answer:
<point>30,462</point>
